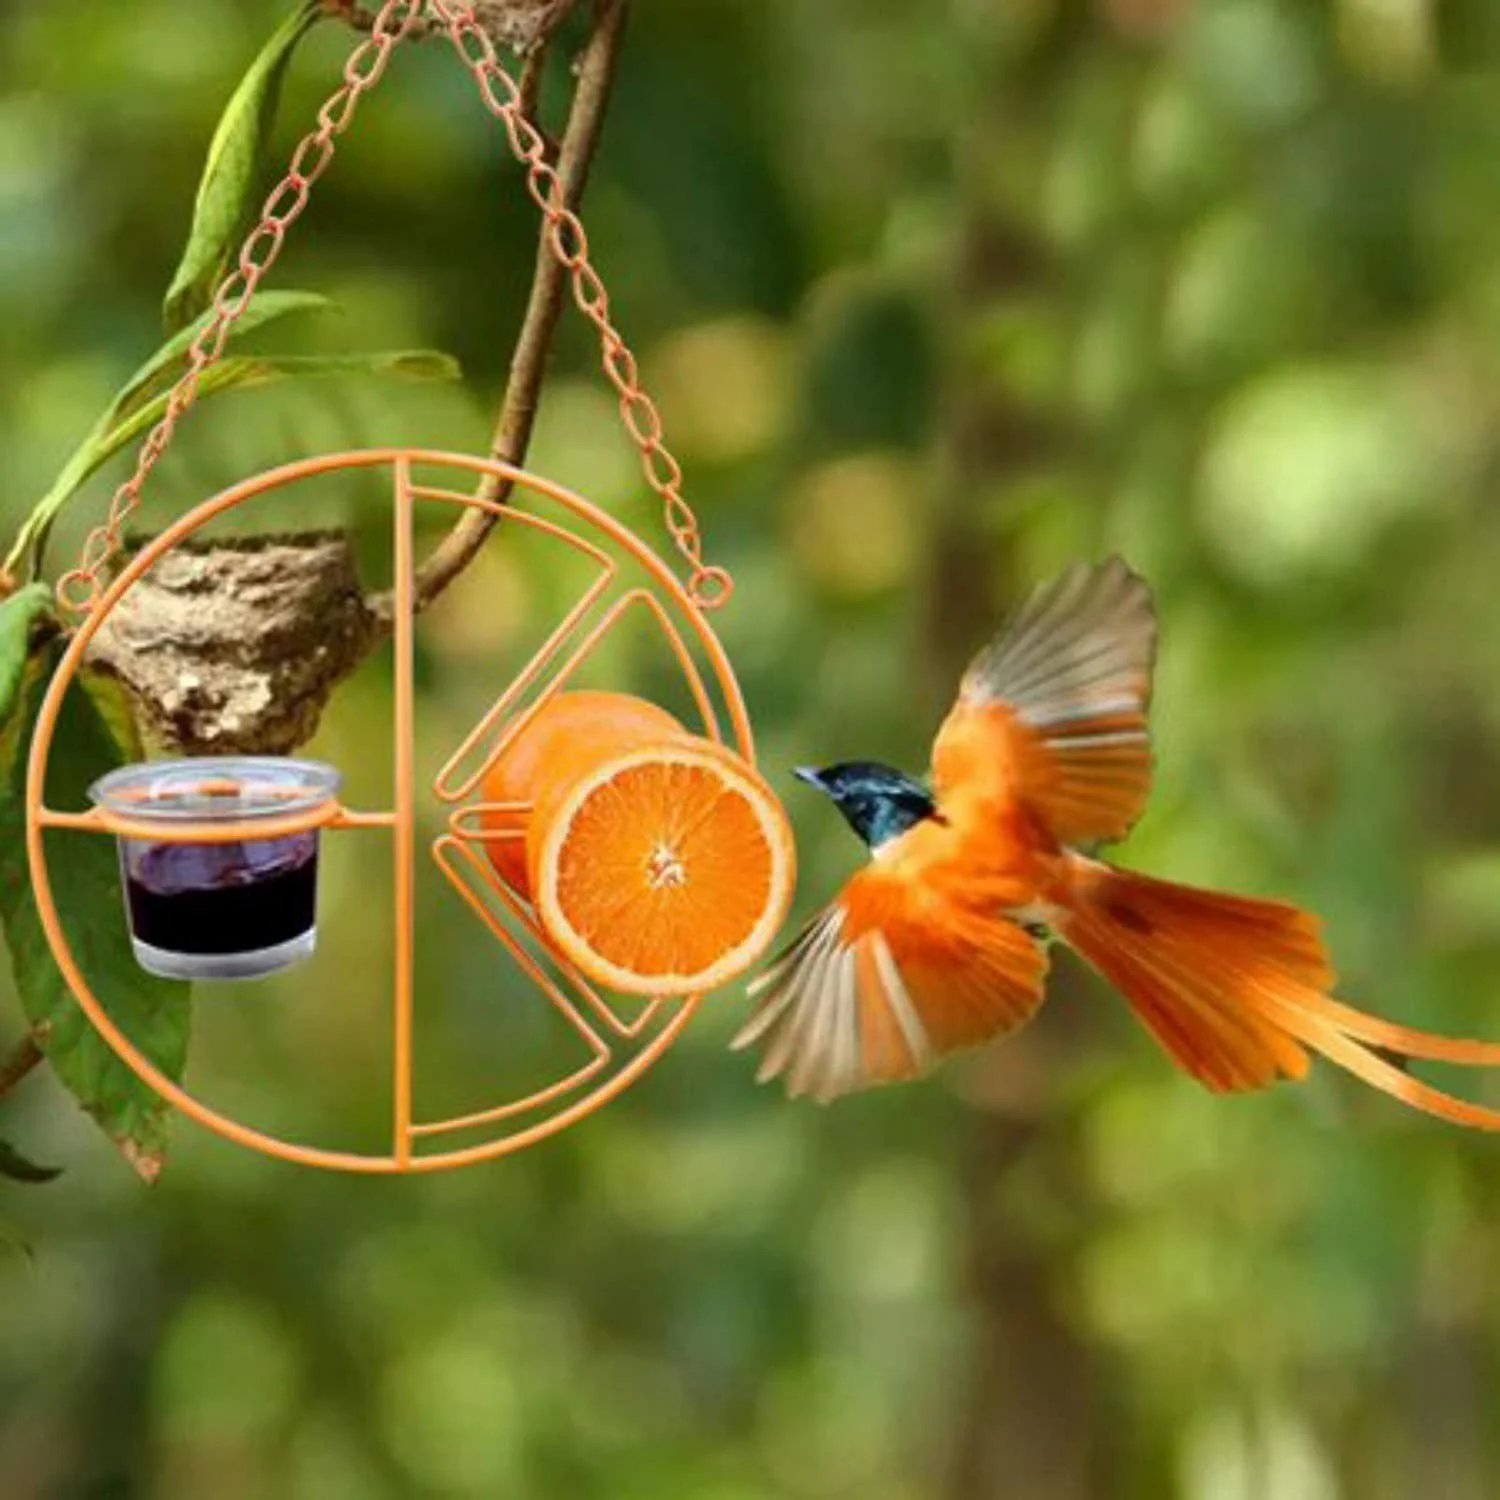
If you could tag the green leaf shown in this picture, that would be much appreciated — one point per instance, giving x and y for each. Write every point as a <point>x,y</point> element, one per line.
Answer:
<point>229,175</point>
<point>263,309</point>
<point>19,1169</point>
<point>112,702</point>
<point>148,381</point>
<point>18,615</point>
<point>85,873</point>
<point>235,372</point>
<point>248,371</point>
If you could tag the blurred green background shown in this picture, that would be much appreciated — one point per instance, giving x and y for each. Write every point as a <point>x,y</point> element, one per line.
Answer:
<point>935,298</point>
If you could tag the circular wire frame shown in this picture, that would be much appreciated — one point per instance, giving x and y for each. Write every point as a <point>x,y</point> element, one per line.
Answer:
<point>621,1049</point>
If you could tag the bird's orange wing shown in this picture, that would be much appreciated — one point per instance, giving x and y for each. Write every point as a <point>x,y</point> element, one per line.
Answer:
<point>883,983</point>
<point>1052,714</point>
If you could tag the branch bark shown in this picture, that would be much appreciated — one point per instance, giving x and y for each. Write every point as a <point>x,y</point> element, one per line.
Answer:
<point>524,25</point>
<point>516,419</point>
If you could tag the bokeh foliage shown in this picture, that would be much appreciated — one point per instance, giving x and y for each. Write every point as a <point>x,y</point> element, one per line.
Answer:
<point>934,298</point>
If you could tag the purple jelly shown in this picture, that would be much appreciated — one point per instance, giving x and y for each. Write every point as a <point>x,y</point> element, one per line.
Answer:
<point>222,898</point>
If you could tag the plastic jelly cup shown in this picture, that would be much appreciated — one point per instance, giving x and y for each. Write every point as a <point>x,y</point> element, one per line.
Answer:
<point>237,908</point>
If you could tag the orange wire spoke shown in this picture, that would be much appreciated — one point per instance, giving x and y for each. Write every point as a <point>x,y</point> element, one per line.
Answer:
<point>684,660</point>
<point>486,878</point>
<point>649,1012</point>
<point>447,785</point>
<point>502,1112</point>
<point>592,640</point>
<point>505,705</point>
<point>444,851</point>
<point>461,822</point>
<point>102,820</point>
<point>403,851</point>
<point>512,515</point>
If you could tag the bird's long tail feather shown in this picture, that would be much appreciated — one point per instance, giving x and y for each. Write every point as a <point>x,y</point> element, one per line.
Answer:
<point>1236,990</point>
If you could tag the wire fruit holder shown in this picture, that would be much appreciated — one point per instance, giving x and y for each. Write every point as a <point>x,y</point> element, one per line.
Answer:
<point>626,578</point>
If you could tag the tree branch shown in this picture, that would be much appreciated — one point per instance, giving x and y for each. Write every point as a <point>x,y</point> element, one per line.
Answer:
<point>518,408</point>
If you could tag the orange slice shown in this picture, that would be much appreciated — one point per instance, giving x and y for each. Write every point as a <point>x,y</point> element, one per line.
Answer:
<point>662,867</point>
<point>554,734</point>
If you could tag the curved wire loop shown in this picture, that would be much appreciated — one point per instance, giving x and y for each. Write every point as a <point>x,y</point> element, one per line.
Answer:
<point>708,587</point>
<point>613,1041</point>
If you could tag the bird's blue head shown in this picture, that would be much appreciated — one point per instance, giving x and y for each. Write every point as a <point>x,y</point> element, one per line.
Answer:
<point>879,802</point>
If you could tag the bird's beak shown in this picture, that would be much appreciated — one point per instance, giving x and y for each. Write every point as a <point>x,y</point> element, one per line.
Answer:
<point>811,775</point>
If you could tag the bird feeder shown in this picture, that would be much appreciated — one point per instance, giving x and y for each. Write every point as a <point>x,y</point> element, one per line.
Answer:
<point>220,855</point>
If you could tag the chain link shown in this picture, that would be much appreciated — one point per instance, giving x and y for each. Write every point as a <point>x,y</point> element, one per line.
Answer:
<point>709,587</point>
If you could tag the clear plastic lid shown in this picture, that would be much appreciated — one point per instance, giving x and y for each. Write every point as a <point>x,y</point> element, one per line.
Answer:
<point>210,788</point>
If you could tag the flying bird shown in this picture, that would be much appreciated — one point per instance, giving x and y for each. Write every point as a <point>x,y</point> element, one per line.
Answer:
<point>940,942</point>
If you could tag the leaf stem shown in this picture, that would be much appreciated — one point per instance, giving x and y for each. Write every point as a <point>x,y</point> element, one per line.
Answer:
<point>516,419</point>
<point>26,1056</point>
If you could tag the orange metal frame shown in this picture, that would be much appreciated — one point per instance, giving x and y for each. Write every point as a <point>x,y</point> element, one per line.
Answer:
<point>621,1048</point>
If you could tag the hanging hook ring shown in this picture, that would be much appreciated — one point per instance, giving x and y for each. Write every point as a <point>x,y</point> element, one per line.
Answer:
<point>711,587</point>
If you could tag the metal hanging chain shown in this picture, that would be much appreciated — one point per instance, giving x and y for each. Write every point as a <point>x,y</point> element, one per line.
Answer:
<point>708,586</point>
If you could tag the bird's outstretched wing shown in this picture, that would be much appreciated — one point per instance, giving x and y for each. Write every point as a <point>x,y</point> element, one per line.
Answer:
<point>1052,713</point>
<point>883,983</point>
